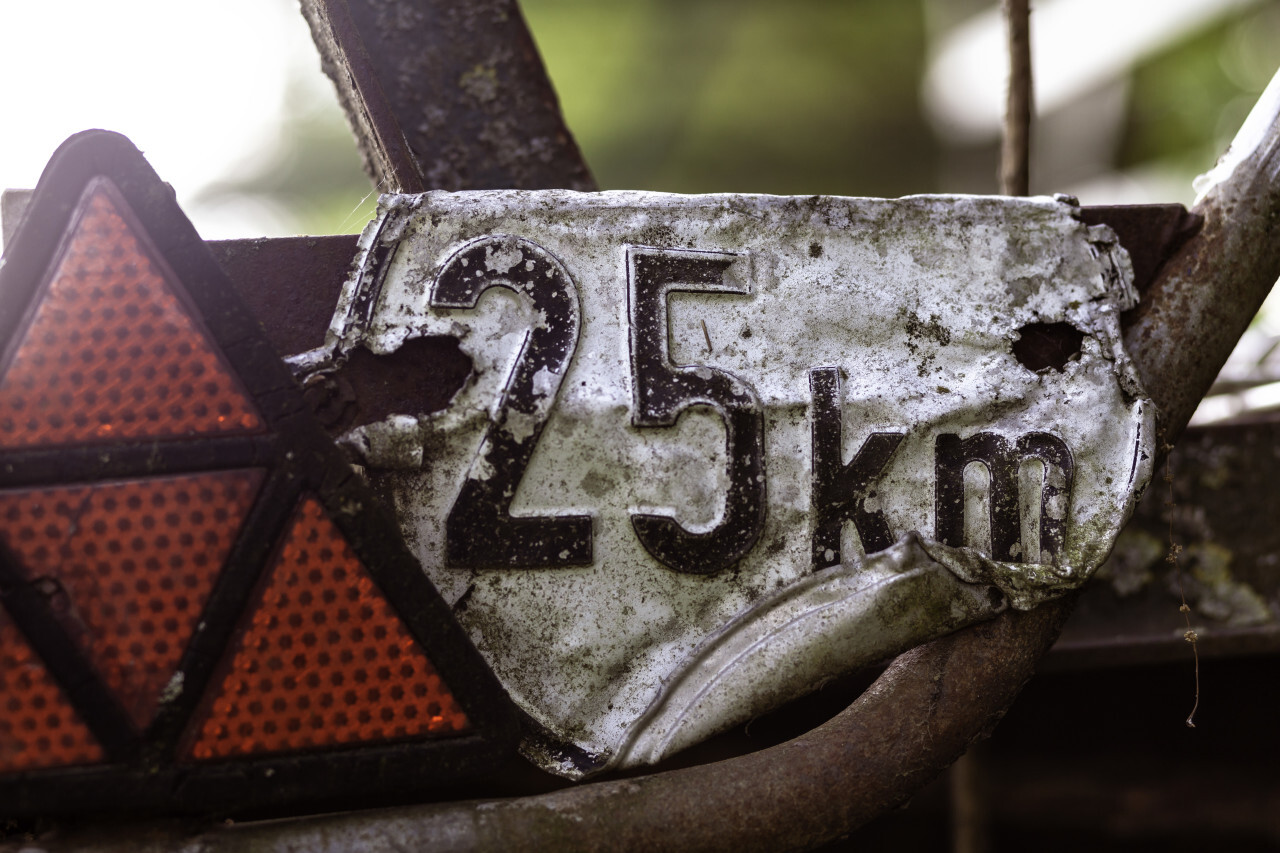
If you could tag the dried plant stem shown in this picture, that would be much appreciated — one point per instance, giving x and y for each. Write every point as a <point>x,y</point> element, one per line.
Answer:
<point>1175,551</point>
<point>1015,153</point>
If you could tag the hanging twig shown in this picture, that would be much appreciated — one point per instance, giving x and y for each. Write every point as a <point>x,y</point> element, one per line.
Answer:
<point>1015,153</point>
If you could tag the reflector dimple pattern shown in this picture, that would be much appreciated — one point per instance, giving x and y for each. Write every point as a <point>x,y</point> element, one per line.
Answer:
<point>110,352</point>
<point>38,727</point>
<point>129,566</point>
<point>324,660</point>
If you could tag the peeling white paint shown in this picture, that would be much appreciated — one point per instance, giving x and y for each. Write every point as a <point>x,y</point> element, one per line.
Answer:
<point>544,382</point>
<point>917,302</point>
<point>502,260</point>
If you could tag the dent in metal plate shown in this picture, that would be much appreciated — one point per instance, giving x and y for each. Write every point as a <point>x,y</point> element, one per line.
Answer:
<point>692,417</point>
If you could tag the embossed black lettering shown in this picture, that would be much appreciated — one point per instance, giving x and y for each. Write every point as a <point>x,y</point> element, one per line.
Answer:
<point>840,491</point>
<point>1002,459</point>
<point>662,391</point>
<point>480,531</point>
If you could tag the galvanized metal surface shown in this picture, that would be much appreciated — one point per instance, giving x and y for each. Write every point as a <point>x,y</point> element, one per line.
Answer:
<point>992,670</point>
<point>446,95</point>
<point>893,762</point>
<point>879,747</point>
<point>1223,474</point>
<point>997,679</point>
<point>914,329</point>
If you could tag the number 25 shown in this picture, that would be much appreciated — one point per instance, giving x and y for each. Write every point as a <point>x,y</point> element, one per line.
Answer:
<point>480,531</point>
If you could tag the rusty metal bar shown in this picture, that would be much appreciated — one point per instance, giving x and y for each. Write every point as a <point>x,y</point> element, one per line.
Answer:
<point>1225,478</point>
<point>387,157</point>
<point>306,275</point>
<point>446,95</point>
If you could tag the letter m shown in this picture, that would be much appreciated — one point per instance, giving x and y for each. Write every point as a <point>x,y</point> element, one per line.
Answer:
<point>1003,460</point>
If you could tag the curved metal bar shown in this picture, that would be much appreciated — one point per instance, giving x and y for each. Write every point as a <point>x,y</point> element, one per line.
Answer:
<point>916,719</point>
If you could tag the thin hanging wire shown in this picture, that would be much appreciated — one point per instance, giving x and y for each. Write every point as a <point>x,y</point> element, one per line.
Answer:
<point>1175,551</point>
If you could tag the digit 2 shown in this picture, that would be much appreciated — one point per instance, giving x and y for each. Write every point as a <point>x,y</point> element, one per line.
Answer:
<point>480,531</point>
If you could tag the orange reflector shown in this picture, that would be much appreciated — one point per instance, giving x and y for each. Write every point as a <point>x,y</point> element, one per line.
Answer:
<point>177,586</point>
<point>134,562</point>
<point>111,353</point>
<point>38,727</point>
<point>324,659</point>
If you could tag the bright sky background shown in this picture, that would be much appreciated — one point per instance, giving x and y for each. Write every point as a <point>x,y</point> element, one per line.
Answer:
<point>196,86</point>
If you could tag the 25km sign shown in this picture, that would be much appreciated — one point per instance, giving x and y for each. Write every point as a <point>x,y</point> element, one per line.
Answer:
<point>707,440</point>
<point>481,532</point>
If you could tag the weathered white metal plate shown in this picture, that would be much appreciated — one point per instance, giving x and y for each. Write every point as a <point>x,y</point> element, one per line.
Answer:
<point>691,419</point>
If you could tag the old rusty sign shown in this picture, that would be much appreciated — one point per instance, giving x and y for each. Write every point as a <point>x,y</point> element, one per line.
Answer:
<point>717,449</point>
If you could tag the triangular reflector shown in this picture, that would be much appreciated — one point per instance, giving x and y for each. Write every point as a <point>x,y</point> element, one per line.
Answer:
<point>133,562</point>
<point>323,660</point>
<point>111,353</point>
<point>191,564</point>
<point>38,727</point>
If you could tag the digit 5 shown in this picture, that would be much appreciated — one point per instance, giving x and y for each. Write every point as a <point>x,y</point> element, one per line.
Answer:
<point>662,391</point>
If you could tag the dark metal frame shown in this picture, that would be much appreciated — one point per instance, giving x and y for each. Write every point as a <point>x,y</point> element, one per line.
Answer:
<point>143,773</point>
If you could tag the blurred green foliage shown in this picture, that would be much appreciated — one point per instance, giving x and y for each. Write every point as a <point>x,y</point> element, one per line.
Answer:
<point>801,97</point>
<point>1186,104</point>
<point>742,95</point>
